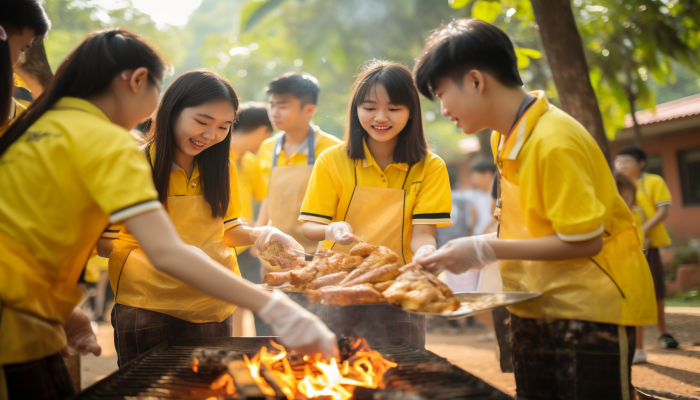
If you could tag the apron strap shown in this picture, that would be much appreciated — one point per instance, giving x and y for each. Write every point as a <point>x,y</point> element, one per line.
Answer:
<point>309,145</point>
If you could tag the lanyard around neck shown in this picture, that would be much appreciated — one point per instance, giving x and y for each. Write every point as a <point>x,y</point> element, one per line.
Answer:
<point>310,146</point>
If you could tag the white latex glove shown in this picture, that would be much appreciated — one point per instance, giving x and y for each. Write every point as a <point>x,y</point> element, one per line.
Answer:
<point>424,251</point>
<point>340,232</point>
<point>81,338</point>
<point>297,327</point>
<point>264,236</point>
<point>460,255</point>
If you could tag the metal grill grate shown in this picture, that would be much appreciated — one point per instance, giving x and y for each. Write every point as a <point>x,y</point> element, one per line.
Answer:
<point>165,372</point>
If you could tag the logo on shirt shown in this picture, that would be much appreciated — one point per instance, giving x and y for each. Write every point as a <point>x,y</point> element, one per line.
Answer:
<point>416,186</point>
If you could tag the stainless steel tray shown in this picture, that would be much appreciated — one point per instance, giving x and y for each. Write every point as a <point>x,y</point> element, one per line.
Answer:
<point>490,300</point>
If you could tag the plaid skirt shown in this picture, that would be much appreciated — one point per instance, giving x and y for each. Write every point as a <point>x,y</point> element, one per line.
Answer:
<point>137,330</point>
<point>43,379</point>
<point>565,359</point>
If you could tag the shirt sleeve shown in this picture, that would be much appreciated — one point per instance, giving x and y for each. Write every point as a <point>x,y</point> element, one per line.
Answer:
<point>235,203</point>
<point>112,231</point>
<point>434,201</point>
<point>117,175</point>
<point>568,194</point>
<point>660,195</point>
<point>321,200</point>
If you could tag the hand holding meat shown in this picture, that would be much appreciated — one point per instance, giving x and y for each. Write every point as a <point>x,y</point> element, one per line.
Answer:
<point>460,255</point>
<point>297,327</point>
<point>266,236</point>
<point>340,232</point>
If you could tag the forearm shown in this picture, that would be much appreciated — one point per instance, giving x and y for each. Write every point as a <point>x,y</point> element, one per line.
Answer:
<point>314,231</point>
<point>548,248</point>
<point>105,247</point>
<point>169,254</point>
<point>422,235</point>
<point>238,236</point>
<point>659,216</point>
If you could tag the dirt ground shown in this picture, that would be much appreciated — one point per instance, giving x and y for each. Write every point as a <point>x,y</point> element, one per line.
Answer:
<point>676,371</point>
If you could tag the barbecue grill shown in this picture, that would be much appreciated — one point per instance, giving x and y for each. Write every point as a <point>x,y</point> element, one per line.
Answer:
<point>165,372</point>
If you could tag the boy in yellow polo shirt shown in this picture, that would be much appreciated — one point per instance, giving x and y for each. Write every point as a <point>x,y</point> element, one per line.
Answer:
<point>287,159</point>
<point>564,230</point>
<point>654,198</point>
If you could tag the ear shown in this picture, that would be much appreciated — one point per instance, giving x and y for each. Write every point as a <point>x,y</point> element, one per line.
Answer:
<point>642,164</point>
<point>475,80</point>
<point>309,110</point>
<point>138,80</point>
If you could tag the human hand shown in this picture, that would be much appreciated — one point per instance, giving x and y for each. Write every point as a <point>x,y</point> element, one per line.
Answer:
<point>424,251</point>
<point>264,236</point>
<point>81,338</point>
<point>298,328</point>
<point>340,232</point>
<point>460,255</point>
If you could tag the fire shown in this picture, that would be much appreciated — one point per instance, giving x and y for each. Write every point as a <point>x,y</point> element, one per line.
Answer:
<point>316,377</point>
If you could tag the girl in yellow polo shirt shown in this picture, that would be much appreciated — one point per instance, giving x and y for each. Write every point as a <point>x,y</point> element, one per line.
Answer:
<point>382,184</point>
<point>73,169</point>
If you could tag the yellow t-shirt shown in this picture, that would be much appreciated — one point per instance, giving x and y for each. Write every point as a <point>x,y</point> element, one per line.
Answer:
<point>71,174</point>
<point>322,141</point>
<point>567,189</point>
<point>637,215</point>
<point>653,193</point>
<point>427,188</point>
<point>250,181</point>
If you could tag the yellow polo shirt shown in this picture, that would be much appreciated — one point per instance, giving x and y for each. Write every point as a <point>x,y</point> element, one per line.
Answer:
<point>322,141</point>
<point>427,198</point>
<point>71,174</point>
<point>250,181</point>
<point>653,193</point>
<point>567,189</point>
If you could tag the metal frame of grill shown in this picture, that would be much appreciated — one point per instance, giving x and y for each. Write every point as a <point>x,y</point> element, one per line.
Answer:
<point>165,372</point>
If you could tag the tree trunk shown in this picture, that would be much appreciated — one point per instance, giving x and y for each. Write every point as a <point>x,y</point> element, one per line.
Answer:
<point>564,49</point>
<point>631,98</point>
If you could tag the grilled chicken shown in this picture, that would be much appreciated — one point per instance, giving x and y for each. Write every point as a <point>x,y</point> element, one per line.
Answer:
<point>345,296</point>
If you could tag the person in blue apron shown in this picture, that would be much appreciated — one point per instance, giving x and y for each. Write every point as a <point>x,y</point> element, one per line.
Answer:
<point>382,185</point>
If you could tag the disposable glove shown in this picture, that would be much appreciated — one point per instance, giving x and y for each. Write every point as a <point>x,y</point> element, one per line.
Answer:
<point>298,328</point>
<point>81,338</point>
<point>340,232</point>
<point>264,236</point>
<point>424,251</point>
<point>460,255</point>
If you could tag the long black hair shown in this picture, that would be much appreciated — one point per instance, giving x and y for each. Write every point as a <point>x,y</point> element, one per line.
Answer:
<point>89,70</point>
<point>190,90</point>
<point>398,81</point>
<point>15,16</point>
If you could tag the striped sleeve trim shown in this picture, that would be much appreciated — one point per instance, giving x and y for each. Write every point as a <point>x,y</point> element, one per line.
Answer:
<point>136,209</point>
<point>663,203</point>
<point>432,219</point>
<point>231,223</point>
<point>582,237</point>
<point>321,219</point>
<point>108,234</point>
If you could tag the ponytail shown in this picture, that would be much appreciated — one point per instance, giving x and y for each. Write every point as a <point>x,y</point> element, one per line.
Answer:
<point>88,71</point>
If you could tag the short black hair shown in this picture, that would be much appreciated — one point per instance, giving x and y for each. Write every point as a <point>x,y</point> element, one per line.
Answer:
<point>412,146</point>
<point>462,45</point>
<point>483,166</point>
<point>251,116</point>
<point>302,85</point>
<point>635,152</point>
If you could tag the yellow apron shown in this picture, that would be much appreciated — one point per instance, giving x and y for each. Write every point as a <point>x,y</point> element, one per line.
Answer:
<point>285,196</point>
<point>136,283</point>
<point>377,217</point>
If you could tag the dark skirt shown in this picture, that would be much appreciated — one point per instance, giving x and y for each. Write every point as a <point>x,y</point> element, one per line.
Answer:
<point>657,273</point>
<point>43,379</point>
<point>137,330</point>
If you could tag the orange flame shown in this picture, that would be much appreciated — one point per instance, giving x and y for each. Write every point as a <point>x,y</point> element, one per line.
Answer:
<point>319,377</point>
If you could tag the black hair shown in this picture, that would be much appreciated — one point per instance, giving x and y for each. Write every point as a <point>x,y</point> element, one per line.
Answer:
<point>251,116</point>
<point>190,90</point>
<point>463,45</point>
<point>635,152</point>
<point>15,16</point>
<point>412,146</point>
<point>302,85</point>
<point>89,70</point>
<point>483,166</point>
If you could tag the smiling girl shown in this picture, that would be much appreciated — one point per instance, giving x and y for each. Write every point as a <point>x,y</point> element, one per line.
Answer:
<point>382,184</point>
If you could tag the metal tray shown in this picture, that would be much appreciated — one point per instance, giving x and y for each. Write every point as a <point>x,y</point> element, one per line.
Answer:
<point>467,300</point>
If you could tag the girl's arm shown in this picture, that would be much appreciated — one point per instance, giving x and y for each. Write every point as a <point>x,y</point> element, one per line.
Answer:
<point>105,247</point>
<point>423,235</point>
<point>238,236</point>
<point>314,231</point>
